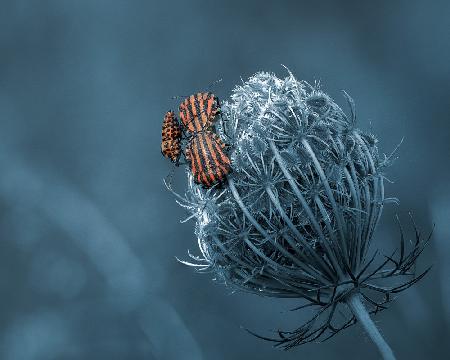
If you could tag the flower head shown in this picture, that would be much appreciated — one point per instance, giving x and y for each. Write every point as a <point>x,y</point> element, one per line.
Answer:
<point>299,211</point>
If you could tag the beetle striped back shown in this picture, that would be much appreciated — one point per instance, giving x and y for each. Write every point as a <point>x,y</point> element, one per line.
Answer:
<point>207,159</point>
<point>171,137</point>
<point>197,112</point>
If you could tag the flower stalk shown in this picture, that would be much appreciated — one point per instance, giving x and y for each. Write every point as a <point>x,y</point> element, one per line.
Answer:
<point>359,310</point>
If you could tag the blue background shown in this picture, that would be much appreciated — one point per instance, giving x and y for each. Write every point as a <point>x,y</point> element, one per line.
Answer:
<point>88,233</point>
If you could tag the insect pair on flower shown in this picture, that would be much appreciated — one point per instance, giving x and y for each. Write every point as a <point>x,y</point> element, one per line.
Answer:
<point>205,151</point>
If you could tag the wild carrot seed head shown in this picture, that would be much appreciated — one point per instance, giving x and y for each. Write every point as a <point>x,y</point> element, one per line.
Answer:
<point>301,206</point>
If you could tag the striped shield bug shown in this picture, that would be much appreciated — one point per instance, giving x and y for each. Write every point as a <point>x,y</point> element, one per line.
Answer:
<point>207,158</point>
<point>205,152</point>
<point>171,137</point>
<point>198,111</point>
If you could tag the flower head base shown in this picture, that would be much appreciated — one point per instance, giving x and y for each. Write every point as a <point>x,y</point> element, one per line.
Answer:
<point>298,213</point>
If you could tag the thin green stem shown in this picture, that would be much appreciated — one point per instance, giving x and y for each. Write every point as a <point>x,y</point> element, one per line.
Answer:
<point>361,313</point>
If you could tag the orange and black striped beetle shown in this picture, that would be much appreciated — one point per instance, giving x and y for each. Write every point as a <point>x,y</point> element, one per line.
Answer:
<point>205,151</point>
<point>198,111</point>
<point>207,158</point>
<point>171,137</point>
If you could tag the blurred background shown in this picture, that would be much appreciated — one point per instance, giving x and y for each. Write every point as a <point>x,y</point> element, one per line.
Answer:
<point>88,232</point>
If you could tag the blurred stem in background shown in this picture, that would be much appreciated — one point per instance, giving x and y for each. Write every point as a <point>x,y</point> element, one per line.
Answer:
<point>128,288</point>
